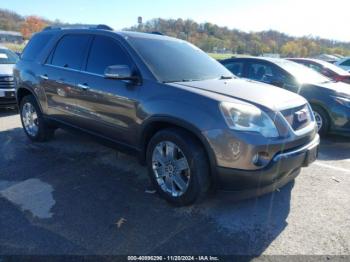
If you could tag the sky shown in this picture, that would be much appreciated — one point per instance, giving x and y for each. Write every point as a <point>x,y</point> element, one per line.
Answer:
<point>327,19</point>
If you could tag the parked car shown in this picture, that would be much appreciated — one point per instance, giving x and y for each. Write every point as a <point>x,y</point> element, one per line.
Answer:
<point>7,89</point>
<point>327,69</point>
<point>344,63</point>
<point>164,100</point>
<point>330,100</point>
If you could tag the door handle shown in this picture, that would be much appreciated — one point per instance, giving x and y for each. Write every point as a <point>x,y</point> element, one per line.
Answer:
<point>44,77</point>
<point>83,87</point>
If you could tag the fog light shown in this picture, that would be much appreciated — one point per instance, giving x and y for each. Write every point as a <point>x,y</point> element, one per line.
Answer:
<point>261,159</point>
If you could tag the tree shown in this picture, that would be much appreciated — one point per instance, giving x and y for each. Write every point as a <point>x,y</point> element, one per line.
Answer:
<point>31,25</point>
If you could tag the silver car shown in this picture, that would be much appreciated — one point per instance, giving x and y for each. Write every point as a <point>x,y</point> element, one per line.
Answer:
<point>7,88</point>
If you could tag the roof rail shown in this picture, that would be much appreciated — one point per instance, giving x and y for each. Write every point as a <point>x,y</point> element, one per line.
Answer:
<point>100,27</point>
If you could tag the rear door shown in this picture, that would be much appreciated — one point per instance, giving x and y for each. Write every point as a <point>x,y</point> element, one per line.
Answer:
<point>107,106</point>
<point>60,73</point>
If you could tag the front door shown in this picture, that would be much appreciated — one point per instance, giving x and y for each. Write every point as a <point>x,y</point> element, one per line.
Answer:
<point>107,106</point>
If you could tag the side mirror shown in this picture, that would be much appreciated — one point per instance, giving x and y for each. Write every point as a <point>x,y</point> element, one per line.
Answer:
<point>120,72</point>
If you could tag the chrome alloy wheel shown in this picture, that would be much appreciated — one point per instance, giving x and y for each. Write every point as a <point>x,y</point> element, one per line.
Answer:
<point>319,120</point>
<point>171,168</point>
<point>30,119</point>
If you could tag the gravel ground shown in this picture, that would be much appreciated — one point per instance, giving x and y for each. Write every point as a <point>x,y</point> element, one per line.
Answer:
<point>73,196</point>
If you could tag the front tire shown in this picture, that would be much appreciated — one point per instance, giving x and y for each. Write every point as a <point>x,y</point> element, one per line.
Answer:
<point>34,125</point>
<point>322,120</point>
<point>178,166</point>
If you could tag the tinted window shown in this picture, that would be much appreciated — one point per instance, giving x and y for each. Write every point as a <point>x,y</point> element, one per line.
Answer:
<point>173,60</point>
<point>8,57</point>
<point>70,51</point>
<point>346,63</point>
<point>269,73</point>
<point>261,72</point>
<point>235,67</point>
<point>35,46</point>
<point>105,52</point>
<point>317,68</point>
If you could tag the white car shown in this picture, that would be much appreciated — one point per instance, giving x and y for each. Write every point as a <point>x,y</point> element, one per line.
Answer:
<point>7,86</point>
<point>344,63</point>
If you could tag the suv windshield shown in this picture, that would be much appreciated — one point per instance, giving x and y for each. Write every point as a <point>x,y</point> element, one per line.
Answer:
<point>8,57</point>
<point>173,60</point>
<point>302,73</point>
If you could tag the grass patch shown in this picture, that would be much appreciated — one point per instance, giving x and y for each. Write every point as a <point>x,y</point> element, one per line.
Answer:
<point>220,56</point>
<point>15,47</point>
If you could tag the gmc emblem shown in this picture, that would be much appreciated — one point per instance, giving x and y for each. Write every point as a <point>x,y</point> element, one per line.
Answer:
<point>301,115</point>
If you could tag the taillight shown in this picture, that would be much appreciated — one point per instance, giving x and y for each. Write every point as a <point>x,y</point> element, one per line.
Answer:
<point>342,78</point>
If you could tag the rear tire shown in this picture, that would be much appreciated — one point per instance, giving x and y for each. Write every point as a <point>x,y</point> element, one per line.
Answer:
<point>34,125</point>
<point>178,166</point>
<point>322,120</point>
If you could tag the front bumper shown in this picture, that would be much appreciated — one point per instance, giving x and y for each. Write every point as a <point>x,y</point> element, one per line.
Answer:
<point>283,168</point>
<point>7,98</point>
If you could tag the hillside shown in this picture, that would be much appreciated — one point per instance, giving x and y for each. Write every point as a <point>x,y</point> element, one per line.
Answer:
<point>212,38</point>
<point>10,21</point>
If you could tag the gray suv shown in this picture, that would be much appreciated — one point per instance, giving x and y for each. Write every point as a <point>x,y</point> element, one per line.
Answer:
<point>194,124</point>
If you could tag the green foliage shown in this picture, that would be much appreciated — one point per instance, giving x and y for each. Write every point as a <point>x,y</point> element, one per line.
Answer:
<point>15,47</point>
<point>218,56</point>
<point>211,38</point>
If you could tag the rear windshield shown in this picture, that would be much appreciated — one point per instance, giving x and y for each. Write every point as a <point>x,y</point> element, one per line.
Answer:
<point>35,46</point>
<point>302,73</point>
<point>8,57</point>
<point>333,68</point>
<point>173,60</point>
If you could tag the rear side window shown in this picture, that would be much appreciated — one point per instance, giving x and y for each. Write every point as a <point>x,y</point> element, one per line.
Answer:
<point>346,63</point>
<point>105,52</point>
<point>70,51</point>
<point>35,46</point>
<point>235,67</point>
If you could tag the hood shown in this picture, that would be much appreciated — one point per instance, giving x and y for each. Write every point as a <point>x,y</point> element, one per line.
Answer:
<point>268,96</point>
<point>337,87</point>
<point>6,69</point>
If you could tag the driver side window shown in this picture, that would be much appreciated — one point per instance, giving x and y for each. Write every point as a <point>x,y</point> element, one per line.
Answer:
<point>270,74</point>
<point>261,72</point>
<point>105,52</point>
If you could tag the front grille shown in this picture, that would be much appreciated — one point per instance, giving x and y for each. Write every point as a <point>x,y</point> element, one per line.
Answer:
<point>5,84</point>
<point>298,117</point>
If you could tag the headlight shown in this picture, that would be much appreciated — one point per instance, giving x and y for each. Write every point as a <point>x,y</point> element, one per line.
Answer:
<point>342,100</point>
<point>243,117</point>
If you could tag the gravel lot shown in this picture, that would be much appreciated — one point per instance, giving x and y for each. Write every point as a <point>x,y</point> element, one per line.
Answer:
<point>73,196</point>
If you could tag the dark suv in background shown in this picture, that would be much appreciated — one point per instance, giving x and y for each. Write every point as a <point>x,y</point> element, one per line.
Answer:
<point>330,100</point>
<point>181,112</point>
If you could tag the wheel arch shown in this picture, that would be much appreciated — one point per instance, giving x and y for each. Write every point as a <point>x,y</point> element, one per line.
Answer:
<point>155,124</point>
<point>22,92</point>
